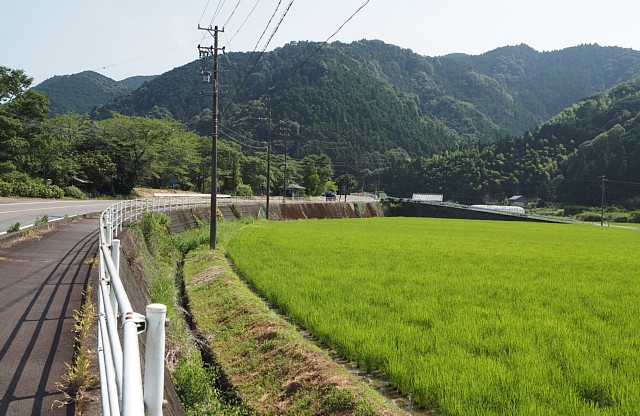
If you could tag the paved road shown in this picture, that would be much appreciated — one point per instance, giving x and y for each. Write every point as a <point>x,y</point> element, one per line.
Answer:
<point>41,284</point>
<point>27,210</point>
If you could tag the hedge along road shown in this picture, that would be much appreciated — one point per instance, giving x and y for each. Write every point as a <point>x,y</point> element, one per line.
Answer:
<point>26,210</point>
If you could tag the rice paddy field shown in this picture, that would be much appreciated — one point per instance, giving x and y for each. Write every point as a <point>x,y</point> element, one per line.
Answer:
<point>467,317</point>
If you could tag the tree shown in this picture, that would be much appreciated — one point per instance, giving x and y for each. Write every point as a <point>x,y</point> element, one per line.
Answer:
<point>146,151</point>
<point>311,179</point>
<point>345,183</point>
<point>22,113</point>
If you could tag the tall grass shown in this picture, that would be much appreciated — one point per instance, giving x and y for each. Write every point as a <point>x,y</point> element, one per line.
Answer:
<point>471,317</point>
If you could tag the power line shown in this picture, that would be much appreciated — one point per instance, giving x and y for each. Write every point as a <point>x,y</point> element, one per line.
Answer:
<point>232,13</point>
<point>147,55</point>
<point>255,64</point>
<point>255,48</point>
<point>242,143</point>
<point>323,44</point>
<point>243,23</point>
<point>217,12</point>
<point>244,137</point>
<point>623,182</point>
<point>204,11</point>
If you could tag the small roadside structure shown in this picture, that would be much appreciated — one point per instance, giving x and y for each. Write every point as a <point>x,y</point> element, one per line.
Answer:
<point>85,185</point>
<point>519,201</point>
<point>294,190</point>
<point>427,198</point>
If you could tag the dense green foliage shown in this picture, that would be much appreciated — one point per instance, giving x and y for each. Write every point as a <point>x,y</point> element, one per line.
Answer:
<point>23,148</point>
<point>466,316</point>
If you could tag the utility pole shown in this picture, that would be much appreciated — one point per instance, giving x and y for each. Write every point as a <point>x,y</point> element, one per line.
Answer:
<point>284,195</point>
<point>206,52</point>
<point>269,164</point>
<point>602,205</point>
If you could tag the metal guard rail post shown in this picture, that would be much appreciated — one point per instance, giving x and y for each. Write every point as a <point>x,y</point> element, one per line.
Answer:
<point>122,388</point>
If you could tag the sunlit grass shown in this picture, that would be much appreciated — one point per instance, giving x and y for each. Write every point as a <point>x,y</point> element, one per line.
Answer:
<point>474,317</point>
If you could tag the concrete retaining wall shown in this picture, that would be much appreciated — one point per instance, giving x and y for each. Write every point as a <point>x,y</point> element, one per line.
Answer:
<point>408,209</point>
<point>186,219</point>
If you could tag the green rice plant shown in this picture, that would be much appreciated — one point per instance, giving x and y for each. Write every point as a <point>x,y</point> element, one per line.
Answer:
<point>470,317</point>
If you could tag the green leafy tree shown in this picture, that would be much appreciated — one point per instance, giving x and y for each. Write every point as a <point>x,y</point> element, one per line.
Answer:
<point>346,183</point>
<point>311,179</point>
<point>146,151</point>
<point>22,114</point>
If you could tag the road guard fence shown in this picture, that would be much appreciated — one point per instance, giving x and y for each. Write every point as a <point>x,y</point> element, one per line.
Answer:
<point>122,387</point>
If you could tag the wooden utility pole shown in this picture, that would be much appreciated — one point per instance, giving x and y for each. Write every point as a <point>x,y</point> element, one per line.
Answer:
<point>207,52</point>
<point>269,164</point>
<point>602,205</point>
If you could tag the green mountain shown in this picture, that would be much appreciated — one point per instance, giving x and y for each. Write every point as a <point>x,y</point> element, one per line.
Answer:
<point>368,96</point>
<point>79,93</point>
<point>562,160</point>
<point>133,83</point>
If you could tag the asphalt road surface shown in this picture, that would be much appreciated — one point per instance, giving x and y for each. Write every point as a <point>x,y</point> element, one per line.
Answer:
<point>41,285</point>
<point>26,210</point>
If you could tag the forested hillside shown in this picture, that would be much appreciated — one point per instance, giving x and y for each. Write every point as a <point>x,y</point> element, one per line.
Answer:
<point>133,83</point>
<point>79,93</point>
<point>356,100</point>
<point>562,160</point>
<point>367,115</point>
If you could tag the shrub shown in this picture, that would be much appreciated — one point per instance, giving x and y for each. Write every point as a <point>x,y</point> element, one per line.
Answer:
<point>6,188</point>
<point>588,216</point>
<point>15,227</point>
<point>635,216</point>
<point>192,380</point>
<point>154,230</point>
<point>571,210</point>
<point>73,192</point>
<point>243,190</point>
<point>618,217</point>
<point>43,220</point>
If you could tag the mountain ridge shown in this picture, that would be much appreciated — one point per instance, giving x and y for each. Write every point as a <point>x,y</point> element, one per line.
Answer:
<point>357,91</point>
<point>81,92</point>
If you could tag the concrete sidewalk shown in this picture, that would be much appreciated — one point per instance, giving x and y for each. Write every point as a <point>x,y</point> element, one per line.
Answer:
<point>41,285</point>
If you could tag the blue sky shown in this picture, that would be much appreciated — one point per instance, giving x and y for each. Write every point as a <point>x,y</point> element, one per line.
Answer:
<point>141,37</point>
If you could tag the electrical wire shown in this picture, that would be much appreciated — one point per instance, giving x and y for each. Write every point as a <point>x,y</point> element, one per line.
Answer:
<point>204,11</point>
<point>217,12</point>
<point>255,64</point>
<point>241,143</point>
<point>148,55</point>
<point>264,146</point>
<point>622,182</point>
<point>323,44</point>
<point>243,23</point>
<point>255,48</point>
<point>232,13</point>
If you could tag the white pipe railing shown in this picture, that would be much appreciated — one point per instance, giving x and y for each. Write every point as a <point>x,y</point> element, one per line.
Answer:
<point>121,384</point>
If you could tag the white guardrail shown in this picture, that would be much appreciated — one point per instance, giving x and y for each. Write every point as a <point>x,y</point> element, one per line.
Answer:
<point>121,384</point>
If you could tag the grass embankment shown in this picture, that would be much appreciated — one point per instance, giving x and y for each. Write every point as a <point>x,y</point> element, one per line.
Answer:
<point>275,369</point>
<point>197,382</point>
<point>470,317</point>
<point>272,369</point>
